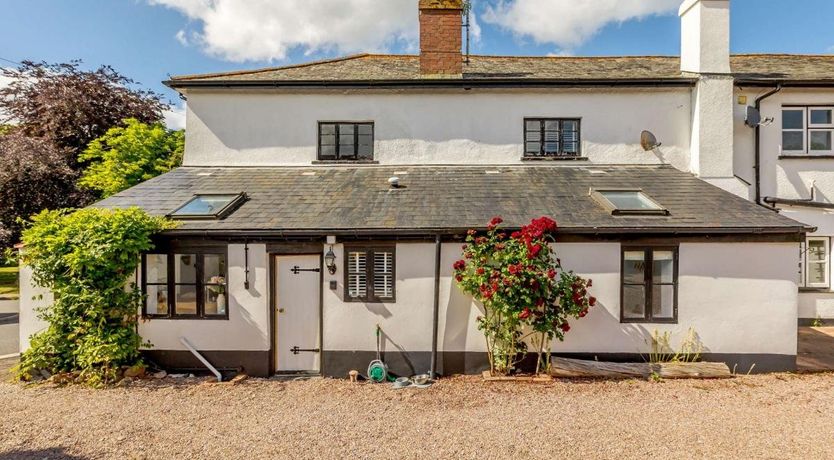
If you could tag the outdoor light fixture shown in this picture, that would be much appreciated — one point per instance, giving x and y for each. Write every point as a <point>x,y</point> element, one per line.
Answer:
<point>330,261</point>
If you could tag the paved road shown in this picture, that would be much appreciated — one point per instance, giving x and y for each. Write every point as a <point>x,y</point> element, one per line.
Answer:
<point>8,327</point>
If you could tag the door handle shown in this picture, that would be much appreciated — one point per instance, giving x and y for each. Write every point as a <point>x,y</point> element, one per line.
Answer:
<point>280,310</point>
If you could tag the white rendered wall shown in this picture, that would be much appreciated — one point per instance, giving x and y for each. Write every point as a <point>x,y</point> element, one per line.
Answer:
<point>739,298</point>
<point>226,128</point>
<point>246,329</point>
<point>32,297</point>
<point>791,178</point>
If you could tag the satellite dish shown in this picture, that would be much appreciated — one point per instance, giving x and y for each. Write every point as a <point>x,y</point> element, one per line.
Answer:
<point>648,141</point>
<point>753,117</point>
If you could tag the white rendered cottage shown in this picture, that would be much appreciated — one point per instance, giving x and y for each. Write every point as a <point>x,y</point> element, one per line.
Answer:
<point>295,242</point>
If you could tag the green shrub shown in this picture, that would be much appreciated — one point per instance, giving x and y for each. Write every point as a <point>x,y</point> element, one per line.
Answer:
<point>86,259</point>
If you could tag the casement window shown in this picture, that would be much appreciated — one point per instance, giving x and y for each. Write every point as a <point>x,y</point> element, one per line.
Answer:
<point>370,273</point>
<point>815,263</point>
<point>551,137</point>
<point>349,141</point>
<point>808,130</point>
<point>649,285</point>
<point>185,284</point>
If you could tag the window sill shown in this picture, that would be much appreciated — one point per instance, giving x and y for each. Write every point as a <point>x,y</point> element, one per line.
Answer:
<point>345,162</point>
<point>646,321</point>
<point>182,318</point>
<point>565,158</point>
<point>805,156</point>
<point>817,290</point>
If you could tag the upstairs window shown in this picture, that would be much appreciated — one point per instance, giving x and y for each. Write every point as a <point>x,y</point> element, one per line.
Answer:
<point>808,130</point>
<point>551,137</point>
<point>346,141</point>
<point>370,274</point>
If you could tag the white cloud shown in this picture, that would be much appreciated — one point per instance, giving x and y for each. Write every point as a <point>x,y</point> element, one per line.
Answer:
<point>569,23</point>
<point>175,117</point>
<point>264,30</point>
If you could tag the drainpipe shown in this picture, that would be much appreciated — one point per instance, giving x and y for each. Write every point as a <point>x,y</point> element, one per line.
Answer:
<point>436,310</point>
<point>757,165</point>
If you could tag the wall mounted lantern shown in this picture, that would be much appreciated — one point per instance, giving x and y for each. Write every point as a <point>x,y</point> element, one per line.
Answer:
<point>330,261</point>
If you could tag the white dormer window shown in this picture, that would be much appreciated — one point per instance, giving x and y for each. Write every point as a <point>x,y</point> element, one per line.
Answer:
<point>808,131</point>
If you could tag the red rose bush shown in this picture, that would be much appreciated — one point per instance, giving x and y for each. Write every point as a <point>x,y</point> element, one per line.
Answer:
<point>527,296</point>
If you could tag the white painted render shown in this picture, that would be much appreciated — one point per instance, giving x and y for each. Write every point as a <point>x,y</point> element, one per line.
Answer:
<point>705,36</point>
<point>32,297</point>
<point>232,128</point>
<point>738,297</point>
<point>248,325</point>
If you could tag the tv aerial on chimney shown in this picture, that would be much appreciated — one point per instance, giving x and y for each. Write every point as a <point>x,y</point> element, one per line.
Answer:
<point>467,24</point>
<point>649,141</point>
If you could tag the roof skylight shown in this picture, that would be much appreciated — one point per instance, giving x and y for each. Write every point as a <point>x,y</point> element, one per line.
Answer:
<point>628,202</point>
<point>209,206</point>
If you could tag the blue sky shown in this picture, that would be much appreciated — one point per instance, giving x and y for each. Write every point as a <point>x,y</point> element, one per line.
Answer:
<point>149,39</point>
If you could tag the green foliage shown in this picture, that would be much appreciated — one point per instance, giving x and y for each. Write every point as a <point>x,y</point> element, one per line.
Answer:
<point>524,291</point>
<point>86,259</point>
<point>130,154</point>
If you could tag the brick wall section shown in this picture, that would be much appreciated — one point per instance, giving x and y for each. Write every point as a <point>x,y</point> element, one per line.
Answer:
<point>440,37</point>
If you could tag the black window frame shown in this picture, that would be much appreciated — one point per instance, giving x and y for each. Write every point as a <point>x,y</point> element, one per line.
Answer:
<point>648,283</point>
<point>200,284</point>
<point>337,155</point>
<point>369,250</point>
<point>561,153</point>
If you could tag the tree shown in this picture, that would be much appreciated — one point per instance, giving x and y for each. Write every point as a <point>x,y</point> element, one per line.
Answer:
<point>34,175</point>
<point>130,154</point>
<point>70,106</point>
<point>60,108</point>
<point>87,259</point>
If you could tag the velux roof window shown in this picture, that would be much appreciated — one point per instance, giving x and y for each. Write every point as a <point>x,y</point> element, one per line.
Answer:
<point>209,206</point>
<point>625,202</point>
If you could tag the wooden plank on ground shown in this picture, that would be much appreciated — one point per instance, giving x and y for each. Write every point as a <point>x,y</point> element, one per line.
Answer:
<point>565,367</point>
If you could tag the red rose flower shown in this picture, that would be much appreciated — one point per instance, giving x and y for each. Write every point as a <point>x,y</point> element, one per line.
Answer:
<point>459,278</point>
<point>524,314</point>
<point>480,270</point>
<point>513,269</point>
<point>471,232</point>
<point>565,327</point>
<point>583,313</point>
<point>551,273</point>
<point>459,265</point>
<point>495,222</point>
<point>515,235</point>
<point>592,301</point>
<point>468,255</point>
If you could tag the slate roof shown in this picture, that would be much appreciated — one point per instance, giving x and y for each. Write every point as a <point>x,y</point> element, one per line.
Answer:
<point>404,68</point>
<point>350,199</point>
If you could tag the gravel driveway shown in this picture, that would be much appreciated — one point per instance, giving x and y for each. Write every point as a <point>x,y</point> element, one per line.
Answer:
<point>776,416</point>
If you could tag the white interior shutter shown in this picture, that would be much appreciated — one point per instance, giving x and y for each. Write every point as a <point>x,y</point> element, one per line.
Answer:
<point>357,274</point>
<point>383,274</point>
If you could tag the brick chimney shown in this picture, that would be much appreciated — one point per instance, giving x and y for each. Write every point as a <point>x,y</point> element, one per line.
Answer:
<point>440,37</point>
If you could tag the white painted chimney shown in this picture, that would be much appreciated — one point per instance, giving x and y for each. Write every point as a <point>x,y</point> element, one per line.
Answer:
<point>705,50</point>
<point>705,36</point>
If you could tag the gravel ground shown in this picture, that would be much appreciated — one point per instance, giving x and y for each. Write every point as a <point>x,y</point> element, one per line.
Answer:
<point>773,416</point>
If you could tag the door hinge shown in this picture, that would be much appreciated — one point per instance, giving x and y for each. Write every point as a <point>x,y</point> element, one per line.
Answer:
<point>296,350</point>
<point>296,270</point>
